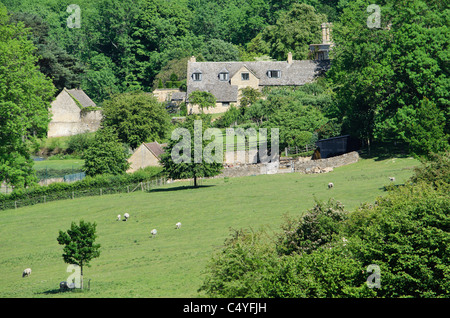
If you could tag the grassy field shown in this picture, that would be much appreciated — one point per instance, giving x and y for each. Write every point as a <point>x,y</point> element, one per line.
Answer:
<point>132,264</point>
<point>58,164</point>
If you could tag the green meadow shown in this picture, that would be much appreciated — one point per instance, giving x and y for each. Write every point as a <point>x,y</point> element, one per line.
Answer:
<point>172,264</point>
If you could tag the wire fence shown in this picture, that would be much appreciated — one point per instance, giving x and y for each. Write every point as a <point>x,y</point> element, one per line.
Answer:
<point>73,194</point>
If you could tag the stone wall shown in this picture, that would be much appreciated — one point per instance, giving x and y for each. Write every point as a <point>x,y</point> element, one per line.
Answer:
<point>302,165</point>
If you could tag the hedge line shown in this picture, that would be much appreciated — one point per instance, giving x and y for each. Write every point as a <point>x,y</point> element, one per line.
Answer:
<point>86,187</point>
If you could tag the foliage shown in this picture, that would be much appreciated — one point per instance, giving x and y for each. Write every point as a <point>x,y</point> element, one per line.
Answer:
<point>293,32</point>
<point>136,117</point>
<point>387,77</point>
<point>434,171</point>
<point>64,69</point>
<point>216,50</point>
<point>79,244</point>
<point>77,144</point>
<point>188,157</point>
<point>315,228</point>
<point>327,252</point>
<point>423,127</point>
<point>106,155</point>
<point>203,99</point>
<point>25,96</point>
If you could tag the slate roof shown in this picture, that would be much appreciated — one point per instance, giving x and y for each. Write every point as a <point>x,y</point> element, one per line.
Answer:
<point>299,72</point>
<point>155,148</point>
<point>81,97</point>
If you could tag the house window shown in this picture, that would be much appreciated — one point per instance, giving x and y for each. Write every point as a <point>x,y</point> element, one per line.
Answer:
<point>197,77</point>
<point>223,76</point>
<point>245,76</point>
<point>274,73</point>
<point>225,104</point>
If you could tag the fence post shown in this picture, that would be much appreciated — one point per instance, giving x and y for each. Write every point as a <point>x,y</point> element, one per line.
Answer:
<point>128,189</point>
<point>72,195</point>
<point>15,204</point>
<point>100,191</point>
<point>142,187</point>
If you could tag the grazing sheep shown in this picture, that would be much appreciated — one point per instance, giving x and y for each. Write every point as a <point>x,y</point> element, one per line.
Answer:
<point>26,272</point>
<point>126,216</point>
<point>178,225</point>
<point>118,217</point>
<point>330,185</point>
<point>392,179</point>
<point>154,232</point>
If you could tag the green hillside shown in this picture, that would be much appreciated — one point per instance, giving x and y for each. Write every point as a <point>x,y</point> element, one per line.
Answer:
<point>132,264</point>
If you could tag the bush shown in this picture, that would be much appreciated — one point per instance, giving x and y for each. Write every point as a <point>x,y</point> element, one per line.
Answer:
<point>406,233</point>
<point>317,227</point>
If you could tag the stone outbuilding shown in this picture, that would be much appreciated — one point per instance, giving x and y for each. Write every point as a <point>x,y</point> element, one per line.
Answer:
<point>73,112</point>
<point>147,154</point>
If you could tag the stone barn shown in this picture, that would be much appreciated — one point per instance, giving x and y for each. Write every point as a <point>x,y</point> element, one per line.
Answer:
<point>73,112</point>
<point>147,154</point>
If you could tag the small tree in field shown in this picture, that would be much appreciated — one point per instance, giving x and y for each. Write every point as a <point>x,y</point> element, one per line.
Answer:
<point>188,149</point>
<point>79,244</point>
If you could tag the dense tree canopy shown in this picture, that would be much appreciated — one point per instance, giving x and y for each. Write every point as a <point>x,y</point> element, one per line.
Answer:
<point>25,96</point>
<point>136,117</point>
<point>385,77</point>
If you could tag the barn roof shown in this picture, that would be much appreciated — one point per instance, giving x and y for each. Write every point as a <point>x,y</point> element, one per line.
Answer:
<point>155,148</point>
<point>81,97</point>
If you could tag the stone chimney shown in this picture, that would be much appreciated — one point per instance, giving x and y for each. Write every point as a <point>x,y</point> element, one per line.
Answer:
<point>289,59</point>
<point>326,37</point>
<point>192,59</point>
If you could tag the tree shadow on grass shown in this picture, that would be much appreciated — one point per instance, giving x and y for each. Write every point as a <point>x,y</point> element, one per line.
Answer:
<point>54,292</point>
<point>179,188</point>
<point>383,151</point>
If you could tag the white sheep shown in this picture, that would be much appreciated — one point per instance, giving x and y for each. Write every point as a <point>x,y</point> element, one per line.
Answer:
<point>392,179</point>
<point>118,217</point>
<point>26,272</point>
<point>178,225</point>
<point>154,232</point>
<point>126,216</point>
<point>330,185</point>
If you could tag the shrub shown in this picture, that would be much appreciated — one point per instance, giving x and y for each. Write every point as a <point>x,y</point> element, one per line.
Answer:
<point>315,228</point>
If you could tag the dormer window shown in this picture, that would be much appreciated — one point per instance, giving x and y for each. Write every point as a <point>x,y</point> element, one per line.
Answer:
<point>223,76</point>
<point>197,76</point>
<point>274,74</point>
<point>245,76</point>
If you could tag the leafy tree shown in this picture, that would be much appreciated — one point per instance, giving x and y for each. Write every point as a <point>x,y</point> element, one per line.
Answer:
<point>137,117</point>
<point>216,50</point>
<point>382,75</point>
<point>25,96</point>
<point>106,154</point>
<point>203,99</point>
<point>79,244</point>
<point>186,158</point>
<point>100,80</point>
<point>249,95</point>
<point>293,32</point>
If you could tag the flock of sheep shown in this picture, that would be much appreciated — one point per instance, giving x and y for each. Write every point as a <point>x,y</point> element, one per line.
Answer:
<point>153,232</point>
<point>126,216</point>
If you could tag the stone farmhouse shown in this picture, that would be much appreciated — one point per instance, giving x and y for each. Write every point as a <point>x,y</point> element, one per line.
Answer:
<point>147,154</point>
<point>73,112</point>
<point>225,79</point>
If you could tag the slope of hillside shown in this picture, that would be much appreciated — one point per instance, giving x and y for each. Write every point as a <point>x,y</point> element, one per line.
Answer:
<point>132,264</point>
